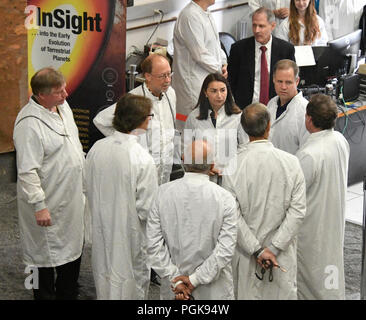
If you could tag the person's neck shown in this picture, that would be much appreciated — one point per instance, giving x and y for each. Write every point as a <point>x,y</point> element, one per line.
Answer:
<point>154,93</point>
<point>302,17</point>
<point>251,139</point>
<point>284,101</point>
<point>315,129</point>
<point>52,108</point>
<point>203,4</point>
<point>216,110</point>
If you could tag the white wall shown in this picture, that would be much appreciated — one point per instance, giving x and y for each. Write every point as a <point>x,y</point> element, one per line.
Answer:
<point>226,20</point>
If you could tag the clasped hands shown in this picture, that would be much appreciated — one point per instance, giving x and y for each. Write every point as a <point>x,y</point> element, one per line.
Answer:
<point>183,290</point>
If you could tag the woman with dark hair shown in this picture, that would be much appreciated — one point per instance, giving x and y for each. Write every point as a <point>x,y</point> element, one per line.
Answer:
<point>303,26</point>
<point>216,118</point>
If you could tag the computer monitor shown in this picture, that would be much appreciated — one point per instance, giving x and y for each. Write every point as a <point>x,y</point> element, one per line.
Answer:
<point>347,44</point>
<point>331,61</point>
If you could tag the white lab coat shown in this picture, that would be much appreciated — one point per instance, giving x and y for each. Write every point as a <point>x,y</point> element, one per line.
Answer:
<point>272,5</point>
<point>192,231</point>
<point>197,52</point>
<point>288,132</point>
<point>49,176</point>
<point>160,134</point>
<point>284,29</point>
<point>225,139</point>
<point>324,160</point>
<point>270,189</point>
<point>121,183</point>
<point>341,16</point>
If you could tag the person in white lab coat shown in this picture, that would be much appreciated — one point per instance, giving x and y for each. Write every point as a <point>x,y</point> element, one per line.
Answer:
<point>270,190</point>
<point>303,26</point>
<point>121,182</point>
<point>197,52</point>
<point>324,160</point>
<point>280,8</point>
<point>191,232</point>
<point>50,196</point>
<point>287,109</point>
<point>217,118</point>
<point>161,130</point>
<point>341,16</point>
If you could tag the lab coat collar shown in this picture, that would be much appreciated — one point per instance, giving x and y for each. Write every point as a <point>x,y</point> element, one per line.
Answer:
<point>321,134</point>
<point>124,136</point>
<point>42,108</point>
<point>200,8</point>
<point>196,176</point>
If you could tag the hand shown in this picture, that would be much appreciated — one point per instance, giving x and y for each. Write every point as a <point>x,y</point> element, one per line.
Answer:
<point>224,71</point>
<point>181,292</point>
<point>214,171</point>
<point>43,218</point>
<point>281,13</point>
<point>267,255</point>
<point>186,281</point>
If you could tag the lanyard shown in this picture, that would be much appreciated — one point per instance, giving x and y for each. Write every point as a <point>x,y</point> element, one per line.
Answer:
<point>44,122</point>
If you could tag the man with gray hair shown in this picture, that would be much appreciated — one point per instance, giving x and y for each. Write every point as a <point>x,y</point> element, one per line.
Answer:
<point>191,232</point>
<point>251,61</point>
<point>270,190</point>
<point>287,109</point>
<point>324,161</point>
<point>51,203</point>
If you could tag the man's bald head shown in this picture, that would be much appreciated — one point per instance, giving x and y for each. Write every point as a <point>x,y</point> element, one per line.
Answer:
<point>198,157</point>
<point>152,61</point>
<point>255,120</point>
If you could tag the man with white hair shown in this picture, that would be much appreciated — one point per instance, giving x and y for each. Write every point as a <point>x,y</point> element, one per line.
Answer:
<point>191,232</point>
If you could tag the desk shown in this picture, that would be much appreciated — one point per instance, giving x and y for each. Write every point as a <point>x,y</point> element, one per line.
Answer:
<point>355,134</point>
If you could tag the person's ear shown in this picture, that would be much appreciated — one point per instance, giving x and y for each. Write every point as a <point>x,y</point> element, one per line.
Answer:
<point>273,25</point>
<point>297,81</point>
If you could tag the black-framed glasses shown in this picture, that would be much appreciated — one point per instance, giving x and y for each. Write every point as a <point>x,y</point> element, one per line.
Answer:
<point>269,265</point>
<point>150,115</point>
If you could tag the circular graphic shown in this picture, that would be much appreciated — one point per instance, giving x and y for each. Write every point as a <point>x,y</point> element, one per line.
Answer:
<point>110,94</point>
<point>110,76</point>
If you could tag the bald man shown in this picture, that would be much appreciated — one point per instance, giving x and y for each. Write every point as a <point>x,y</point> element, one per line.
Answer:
<point>161,131</point>
<point>191,232</point>
<point>270,189</point>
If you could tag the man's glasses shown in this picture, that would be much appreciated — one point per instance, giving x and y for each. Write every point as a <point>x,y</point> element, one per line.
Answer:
<point>163,76</point>
<point>150,115</point>
<point>268,265</point>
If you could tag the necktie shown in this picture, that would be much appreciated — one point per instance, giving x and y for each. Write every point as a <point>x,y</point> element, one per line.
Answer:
<point>264,88</point>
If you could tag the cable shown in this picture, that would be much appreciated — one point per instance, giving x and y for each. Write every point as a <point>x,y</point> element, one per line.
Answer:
<point>161,19</point>
<point>348,118</point>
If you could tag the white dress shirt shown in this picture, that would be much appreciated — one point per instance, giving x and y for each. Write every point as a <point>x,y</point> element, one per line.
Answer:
<point>257,70</point>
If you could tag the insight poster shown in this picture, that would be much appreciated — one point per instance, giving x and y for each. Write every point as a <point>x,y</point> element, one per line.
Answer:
<point>85,40</point>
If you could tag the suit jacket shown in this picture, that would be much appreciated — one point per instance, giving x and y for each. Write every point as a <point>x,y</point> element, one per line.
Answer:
<point>241,66</point>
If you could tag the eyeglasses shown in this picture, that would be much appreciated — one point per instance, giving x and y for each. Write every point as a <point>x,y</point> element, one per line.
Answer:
<point>163,76</point>
<point>269,265</point>
<point>150,115</point>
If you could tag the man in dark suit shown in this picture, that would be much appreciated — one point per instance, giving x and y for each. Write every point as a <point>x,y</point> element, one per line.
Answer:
<point>249,77</point>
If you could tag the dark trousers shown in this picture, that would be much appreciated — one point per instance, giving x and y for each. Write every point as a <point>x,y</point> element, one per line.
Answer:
<point>64,287</point>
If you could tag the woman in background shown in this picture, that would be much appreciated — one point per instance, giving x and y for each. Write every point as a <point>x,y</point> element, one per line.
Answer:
<point>303,26</point>
<point>216,117</point>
